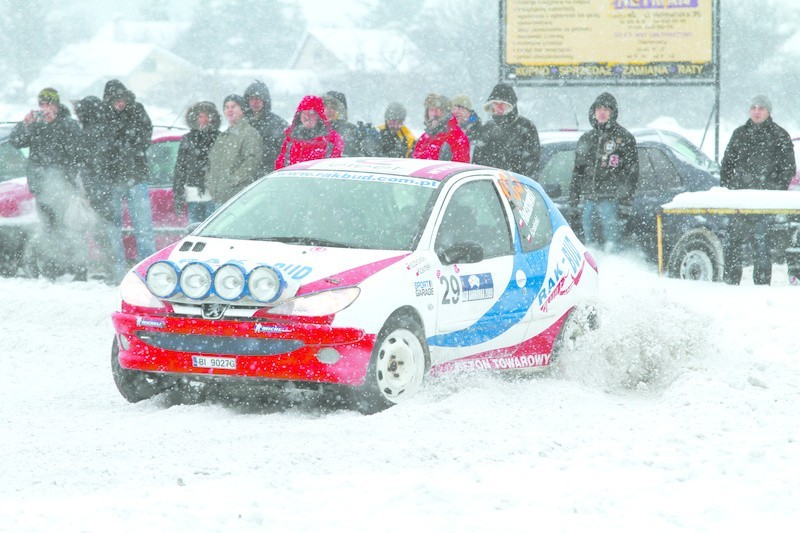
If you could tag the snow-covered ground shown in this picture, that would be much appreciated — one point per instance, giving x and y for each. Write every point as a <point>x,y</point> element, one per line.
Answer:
<point>679,414</point>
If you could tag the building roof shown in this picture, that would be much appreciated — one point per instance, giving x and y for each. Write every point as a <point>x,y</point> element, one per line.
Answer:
<point>361,50</point>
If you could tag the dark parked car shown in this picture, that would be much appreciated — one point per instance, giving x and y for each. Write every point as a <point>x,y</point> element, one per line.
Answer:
<point>18,218</point>
<point>662,175</point>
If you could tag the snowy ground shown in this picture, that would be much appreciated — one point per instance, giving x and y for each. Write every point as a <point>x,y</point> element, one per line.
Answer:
<point>679,414</point>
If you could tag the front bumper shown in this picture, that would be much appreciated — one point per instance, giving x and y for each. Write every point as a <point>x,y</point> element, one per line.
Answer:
<point>273,350</point>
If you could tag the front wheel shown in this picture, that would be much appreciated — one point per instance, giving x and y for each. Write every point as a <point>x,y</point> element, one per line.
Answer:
<point>135,385</point>
<point>397,368</point>
<point>697,256</point>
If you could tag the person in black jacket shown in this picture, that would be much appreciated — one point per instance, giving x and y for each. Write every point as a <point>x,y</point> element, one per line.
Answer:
<point>270,126</point>
<point>128,133</point>
<point>509,141</point>
<point>191,167</point>
<point>53,138</point>
<point>360,139</point>
<point>606,171</point>
<point>759,156</point>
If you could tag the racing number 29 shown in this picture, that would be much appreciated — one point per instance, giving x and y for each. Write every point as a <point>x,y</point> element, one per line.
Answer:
<point>451,284</point>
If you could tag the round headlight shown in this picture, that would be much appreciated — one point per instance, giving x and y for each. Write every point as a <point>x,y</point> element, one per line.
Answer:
<point>162,279</point>
<point>265,284</point>
<point>229,282</point>
<point>196,280</point>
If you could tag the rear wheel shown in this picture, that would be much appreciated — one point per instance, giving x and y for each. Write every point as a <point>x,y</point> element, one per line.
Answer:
<point>697,256</point>
<point>135,385</point>
<point>578,323</point>
<point>399,362</point>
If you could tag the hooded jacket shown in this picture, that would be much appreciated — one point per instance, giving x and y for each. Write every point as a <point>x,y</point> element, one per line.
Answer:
<point>95,180</point>
<point>269,125</point>
<point>758,156</point>
<point>510,141</point>
<point>192,164</point>
<point>55,149</point>
<point>128,134</point>
<point>234,161</point>
<point>606,159</point>
<point>302,144</point>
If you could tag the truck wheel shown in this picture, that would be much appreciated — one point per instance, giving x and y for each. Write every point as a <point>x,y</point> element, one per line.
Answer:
<point>697,256</point>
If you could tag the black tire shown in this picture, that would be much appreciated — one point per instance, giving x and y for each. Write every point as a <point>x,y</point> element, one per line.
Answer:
<point>697,256</point>
<point>399,362</point>
<point>580,320</point>
<point>135,385</point>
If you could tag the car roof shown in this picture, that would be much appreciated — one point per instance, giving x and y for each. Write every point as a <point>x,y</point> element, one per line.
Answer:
<point>417,168</point>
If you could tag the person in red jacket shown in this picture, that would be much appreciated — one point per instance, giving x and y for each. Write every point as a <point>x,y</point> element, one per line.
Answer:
<point>443,138</point>
<point>310,135</point>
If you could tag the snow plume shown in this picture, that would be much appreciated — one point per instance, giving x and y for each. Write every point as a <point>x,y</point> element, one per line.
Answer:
<point>644,341</point>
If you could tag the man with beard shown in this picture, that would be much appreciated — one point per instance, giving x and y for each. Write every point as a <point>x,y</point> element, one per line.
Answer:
<point>509,141</point>
<point>443,138</point>
<point>758,156</point>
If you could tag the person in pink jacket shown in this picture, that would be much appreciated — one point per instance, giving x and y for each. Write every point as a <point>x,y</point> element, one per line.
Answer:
<point>443,138</point>
<point>310,135</point>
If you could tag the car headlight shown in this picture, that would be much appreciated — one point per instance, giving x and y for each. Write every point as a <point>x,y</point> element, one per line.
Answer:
<point>162,279</point>
<point>195,280</point>
<point>319,303</point>
<point>265,284</point>
<point>133,291</point>
<point>229,282</point>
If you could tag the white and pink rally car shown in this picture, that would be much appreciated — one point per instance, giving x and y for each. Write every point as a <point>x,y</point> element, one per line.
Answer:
<point>362,273</point>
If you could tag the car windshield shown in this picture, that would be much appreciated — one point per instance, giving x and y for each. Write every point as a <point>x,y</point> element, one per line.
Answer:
<point>328,208</point>
<point>682,148</point>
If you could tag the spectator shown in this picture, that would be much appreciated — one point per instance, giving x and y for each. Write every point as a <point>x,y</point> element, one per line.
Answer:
<point>361,139</point>
<point>310,135</point>
<point>468,121</point>
<point>191,167</point>
<point>53,139</point>
<point>509,141</point>
<point>396,140</point>
<point>269,125</point>
<point>235,158</point>
<point>606,171</point>
<point>128,132</point>
<point>443,138</point>
<point>99,186</point>
<point>759,155</point>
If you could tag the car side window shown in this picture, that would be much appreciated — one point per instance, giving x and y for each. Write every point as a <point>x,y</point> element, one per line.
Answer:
<point>656,171</point>
<point>161,158</point>
<point>556,175</point>
<point>475,213</point>
<point>533,219</point>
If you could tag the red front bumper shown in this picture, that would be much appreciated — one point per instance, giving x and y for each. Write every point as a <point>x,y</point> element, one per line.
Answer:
<point>262,349</point>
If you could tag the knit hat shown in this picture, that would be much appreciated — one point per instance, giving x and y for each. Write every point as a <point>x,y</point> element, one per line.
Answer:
<point>762,101</point>
<point>235,98</point>
<point>462,100</point>
<point>48,95</point>
<point>395,111</point>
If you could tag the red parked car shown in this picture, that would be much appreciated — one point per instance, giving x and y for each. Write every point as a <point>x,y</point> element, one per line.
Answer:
<point>18,216</point>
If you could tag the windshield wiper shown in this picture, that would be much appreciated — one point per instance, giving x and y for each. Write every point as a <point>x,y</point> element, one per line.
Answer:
<point>306,241</point>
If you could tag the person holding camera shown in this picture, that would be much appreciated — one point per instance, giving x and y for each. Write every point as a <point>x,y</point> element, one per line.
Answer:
<point>53,138</point>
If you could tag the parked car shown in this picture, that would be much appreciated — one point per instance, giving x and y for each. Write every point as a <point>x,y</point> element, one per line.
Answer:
<point>18,217</point>
<point>662,175</point>
<point>361,274</point>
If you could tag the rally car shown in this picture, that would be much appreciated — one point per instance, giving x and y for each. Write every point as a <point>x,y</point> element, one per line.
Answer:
<point>364,274</point>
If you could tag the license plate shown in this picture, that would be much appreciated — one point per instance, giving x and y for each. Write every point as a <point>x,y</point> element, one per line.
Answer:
<point>200,361</point>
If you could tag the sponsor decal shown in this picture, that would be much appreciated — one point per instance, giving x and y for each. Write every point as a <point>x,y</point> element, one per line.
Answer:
<point>477,287</point>
<point>502,363</point>
<point>613,161</point>
<point>143,322</point>
<point>423,288</point>
<point>420,264</point>
<point>343,175</point>
<point>269,328</point>
<point>294,271</point>
<point>560,281</point>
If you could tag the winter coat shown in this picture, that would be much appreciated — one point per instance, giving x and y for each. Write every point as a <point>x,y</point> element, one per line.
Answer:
<point>269,125</point>
<point>302,144</point>
<point>606,159</point>
<point>234,161</point>
<point>398,144</point>
<point>192,163</point>
<point>447,144</point>
<point>54,149</point>
<point>758,156</point>
<point>510,141</point>
<point>96,182</point>
<point>129,133</point>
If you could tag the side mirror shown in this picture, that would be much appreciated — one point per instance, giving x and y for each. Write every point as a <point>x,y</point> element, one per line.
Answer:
<point>463,252</point>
